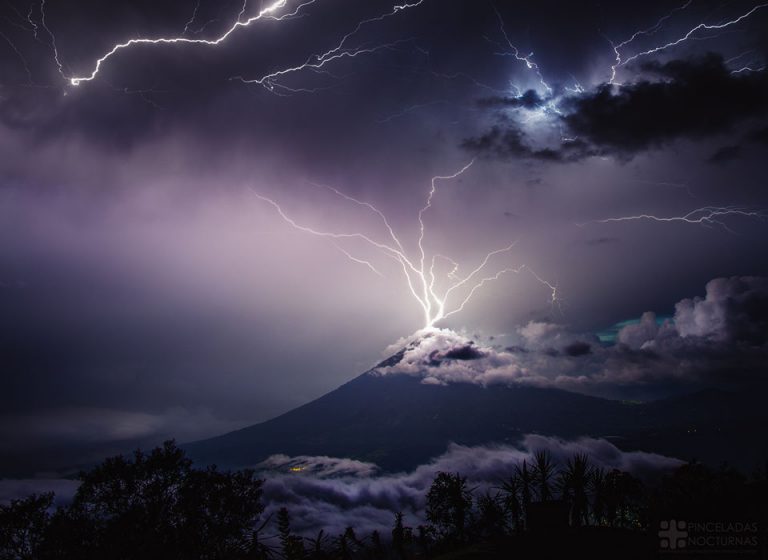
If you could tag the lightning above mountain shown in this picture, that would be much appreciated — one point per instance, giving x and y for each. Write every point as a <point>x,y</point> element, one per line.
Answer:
<point>419,273</point>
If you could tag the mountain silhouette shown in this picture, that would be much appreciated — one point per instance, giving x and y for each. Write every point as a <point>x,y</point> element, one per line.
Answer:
<point>398,422</point>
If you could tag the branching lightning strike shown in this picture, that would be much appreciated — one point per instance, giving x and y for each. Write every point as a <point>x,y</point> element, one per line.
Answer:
<point>711,216</point>
<point>515,52</point>
<point>265,13</point>
<point>689,35</point>
<point>649,31</point>
<point>314,62</point>
<point>419,273</point>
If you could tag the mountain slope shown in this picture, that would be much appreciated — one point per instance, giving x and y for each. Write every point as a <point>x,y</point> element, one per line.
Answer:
<point>398,423</point>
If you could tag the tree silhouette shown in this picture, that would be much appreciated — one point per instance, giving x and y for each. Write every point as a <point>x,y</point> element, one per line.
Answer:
<point>377,548</point>
<point>449,504</point>
<point>292,546</point>
<point>511,490</point>
<point>621,491</point>
<point>317,546</point>
<point>22,526</point>
<point>597,488</point>
<point>544,471</point>
<point>402,537</point>
<point>157,506</point>
<point>525,477</point>
<point>491,515</point>
<point>573,484</point>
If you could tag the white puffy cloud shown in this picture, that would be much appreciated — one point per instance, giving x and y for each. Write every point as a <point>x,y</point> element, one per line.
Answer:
<point>719,339</point>
<point>733,309</point>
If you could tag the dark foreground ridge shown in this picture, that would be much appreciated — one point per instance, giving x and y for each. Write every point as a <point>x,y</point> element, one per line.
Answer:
<point>398,423</point>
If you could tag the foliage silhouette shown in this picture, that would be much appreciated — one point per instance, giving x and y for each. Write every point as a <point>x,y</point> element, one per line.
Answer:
<point>158,506</point>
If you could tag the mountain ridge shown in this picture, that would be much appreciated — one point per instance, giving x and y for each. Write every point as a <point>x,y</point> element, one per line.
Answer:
<point>398,422</point>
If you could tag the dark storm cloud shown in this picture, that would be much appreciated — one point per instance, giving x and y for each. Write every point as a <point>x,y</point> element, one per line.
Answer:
<point>508,142</point>
<point>759,135</point>
<point>528,100</point>
<point>679,99</point>
<point>726,153</point>
<point>686,99</point>
<point>578,348</point>
<point>468,352</point>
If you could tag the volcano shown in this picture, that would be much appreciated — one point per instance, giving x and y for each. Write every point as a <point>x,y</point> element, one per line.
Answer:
<point>398,422</point>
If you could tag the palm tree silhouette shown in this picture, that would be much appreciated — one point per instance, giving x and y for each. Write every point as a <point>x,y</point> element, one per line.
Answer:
<point>511,490</point>
<point>544,470</point>
<point>597,488</point>
<point>573,483</point>
<point>525,478</point>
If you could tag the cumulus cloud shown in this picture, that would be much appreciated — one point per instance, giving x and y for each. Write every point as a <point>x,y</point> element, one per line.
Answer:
<point>720,339</point>
<point>636,335</point>
<point>733,310</point>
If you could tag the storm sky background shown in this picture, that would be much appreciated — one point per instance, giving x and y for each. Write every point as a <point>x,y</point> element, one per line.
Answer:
<point>146,292</point>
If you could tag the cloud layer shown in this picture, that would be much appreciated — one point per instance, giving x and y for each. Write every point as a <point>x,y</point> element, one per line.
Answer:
<point>720,339</point>
<point>328,493</point>
<point>331,493</point>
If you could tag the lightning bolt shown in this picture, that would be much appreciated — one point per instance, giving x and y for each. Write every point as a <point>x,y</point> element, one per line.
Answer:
<point>706,216</point>
<point>358,260</point>
<point>340,46</point>
<point>314,62</point>
<point>420,277</point>
<point>192,18</point>
<point>266,13</point>
<point>691,32</point>
<point>515,52</point>
<point>35,27</point>
<point>32,22</point>
<point>747,69</point>
<point>649,31</point>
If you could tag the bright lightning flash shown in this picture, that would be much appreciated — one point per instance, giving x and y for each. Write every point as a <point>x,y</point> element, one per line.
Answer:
<point>271,12</point>
<point>419,273</point>
<point>266,13</point>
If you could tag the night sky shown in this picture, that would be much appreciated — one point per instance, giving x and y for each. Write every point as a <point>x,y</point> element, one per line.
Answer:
<point>147,290</point>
